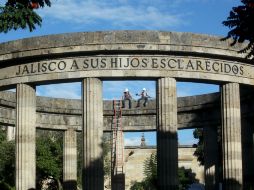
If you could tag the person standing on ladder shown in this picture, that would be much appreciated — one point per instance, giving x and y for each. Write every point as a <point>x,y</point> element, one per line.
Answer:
<point>144,96</point>
<point>126,96</point>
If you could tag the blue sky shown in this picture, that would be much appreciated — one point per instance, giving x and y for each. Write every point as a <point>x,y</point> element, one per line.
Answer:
<point>197,16</point>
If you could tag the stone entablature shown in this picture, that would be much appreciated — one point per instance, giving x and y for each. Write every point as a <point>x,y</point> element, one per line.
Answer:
<point>117,54</point>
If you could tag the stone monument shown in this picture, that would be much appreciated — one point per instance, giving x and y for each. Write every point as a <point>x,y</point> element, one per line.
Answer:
<point>165,57</point>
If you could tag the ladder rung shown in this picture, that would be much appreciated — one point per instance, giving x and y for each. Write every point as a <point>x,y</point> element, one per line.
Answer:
<point>117,143</point>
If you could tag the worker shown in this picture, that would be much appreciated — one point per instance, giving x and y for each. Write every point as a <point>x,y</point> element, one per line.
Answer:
<point>126,96</point>
<point>143,96</point>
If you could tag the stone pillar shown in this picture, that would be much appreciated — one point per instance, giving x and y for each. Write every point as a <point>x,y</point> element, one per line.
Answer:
<point>167,152</point>
<point>248,153</point>
<point>92,134</point>
<point>70,160</point>
<point>10,133</point>
<point>25,137</point>
<point>211,157</point>
<point>231,137</point>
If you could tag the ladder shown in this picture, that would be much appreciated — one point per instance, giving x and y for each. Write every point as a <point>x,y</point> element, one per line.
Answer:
<point>117,152</point>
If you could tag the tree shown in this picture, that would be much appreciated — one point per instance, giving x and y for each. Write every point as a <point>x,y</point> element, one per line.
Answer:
<point>150,171</point>
<point>240,22</point>
<point>199,152</point>
<point>20,14</point>
<point>49,159</point>
<point>185,176</point>
<point>2,134</point>
<point>106,149</point>
<point>7,162</point>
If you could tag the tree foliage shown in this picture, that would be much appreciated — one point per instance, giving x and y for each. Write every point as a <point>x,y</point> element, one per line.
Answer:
<point>150,170</point>
<point>150,173</point>
<point>2,134</point>
<point>199,152</point>
<point>20,14</point>
<point>185,176</point>
<point>240,22</point>
<point>7,162</point>
<point>106,147</point>
<point>49,159</point>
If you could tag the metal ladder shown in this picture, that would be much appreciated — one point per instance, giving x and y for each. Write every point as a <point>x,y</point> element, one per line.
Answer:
<point>117,153</point>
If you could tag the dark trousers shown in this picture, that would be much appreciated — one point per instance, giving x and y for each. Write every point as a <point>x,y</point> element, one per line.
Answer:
<point>145,102</point>
<point>123,102</point>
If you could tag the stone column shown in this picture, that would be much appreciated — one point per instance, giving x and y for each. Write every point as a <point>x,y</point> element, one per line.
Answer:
<point>211,157</point>
<point>70,160</point>
<point>25,137</point>
<point>248,153</point>
<point>231,137</point>
<point>92,134</point>
<point>10,133</point>
<point>167,152</point>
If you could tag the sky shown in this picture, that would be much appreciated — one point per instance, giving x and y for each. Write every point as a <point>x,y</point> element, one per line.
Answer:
<point>66,16</point>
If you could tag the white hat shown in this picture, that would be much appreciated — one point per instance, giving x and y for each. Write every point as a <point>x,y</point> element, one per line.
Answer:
<point>144,89</point>
<point>126,90</point>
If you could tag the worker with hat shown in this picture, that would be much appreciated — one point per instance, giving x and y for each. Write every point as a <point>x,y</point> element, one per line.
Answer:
<point>126,96</point>
<point>143,96</point>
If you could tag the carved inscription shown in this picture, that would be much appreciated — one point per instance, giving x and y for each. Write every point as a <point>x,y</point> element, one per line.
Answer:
<point>131,63</point>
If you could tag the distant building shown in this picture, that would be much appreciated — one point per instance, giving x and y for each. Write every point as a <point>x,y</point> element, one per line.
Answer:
<point>143,141</point>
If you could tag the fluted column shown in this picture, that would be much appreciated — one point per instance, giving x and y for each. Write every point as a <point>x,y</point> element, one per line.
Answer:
<point>25,137</point>
<point>248,152</point>
<point>211,157</point>
<point>167,153</point>
<point>70,160</point>
<point>231,137</point>
<point>92,134</point>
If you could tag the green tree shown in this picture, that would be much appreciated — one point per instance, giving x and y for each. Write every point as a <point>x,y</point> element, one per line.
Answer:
<point>49,159</point>
<point>240,22</point>
<point>2,134</point>
<point>150,171</point>
<point>7,162</point>
<point>185,176</point>
<point>199,152</point>
<point>106,147</point>
<point>20,14</point>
